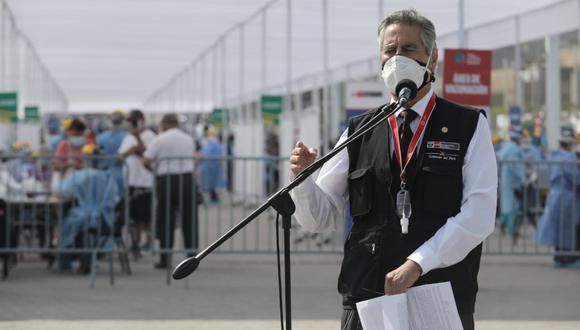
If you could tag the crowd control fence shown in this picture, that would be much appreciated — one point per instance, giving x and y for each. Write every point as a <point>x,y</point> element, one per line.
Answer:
<point>88,217</point>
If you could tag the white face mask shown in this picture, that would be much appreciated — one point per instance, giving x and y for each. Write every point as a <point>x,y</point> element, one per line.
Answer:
<point>401,67</point>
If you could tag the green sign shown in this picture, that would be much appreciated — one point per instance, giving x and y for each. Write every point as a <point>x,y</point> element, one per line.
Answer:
<point>31,113</point>
<point>272,106</point>
<point>8,107</point>
<point>217,117</point>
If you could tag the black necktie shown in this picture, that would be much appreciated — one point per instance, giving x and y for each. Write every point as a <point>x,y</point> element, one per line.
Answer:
<point>405,132</point>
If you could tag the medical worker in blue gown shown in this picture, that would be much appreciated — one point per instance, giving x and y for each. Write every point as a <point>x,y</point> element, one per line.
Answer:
<point>558,226</point>
<point>511,181</point>
<point>210,169</point>
<point>109,143</point>
<point>95,195</point>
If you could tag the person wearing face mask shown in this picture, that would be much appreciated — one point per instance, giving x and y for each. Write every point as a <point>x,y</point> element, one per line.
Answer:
<point>138,178</point>
<point>434,157</point>
<point>68,154</point>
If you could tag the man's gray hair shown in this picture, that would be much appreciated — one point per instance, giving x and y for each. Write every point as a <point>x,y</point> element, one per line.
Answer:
<point>410,17</point>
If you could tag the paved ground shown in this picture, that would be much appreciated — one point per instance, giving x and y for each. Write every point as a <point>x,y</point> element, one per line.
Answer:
<point>239,292</point>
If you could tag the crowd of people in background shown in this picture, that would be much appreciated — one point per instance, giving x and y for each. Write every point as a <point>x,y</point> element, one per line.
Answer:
<point>124,158</point>
<point>543,190</point>
<point>536,188</point>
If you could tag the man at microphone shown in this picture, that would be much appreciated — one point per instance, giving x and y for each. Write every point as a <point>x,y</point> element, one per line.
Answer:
<point>421,186</point>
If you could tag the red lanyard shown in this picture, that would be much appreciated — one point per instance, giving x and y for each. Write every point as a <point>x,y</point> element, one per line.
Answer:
<point>416,136</point>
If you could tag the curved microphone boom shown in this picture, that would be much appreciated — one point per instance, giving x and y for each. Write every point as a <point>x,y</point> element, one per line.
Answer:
<point>406,90</point>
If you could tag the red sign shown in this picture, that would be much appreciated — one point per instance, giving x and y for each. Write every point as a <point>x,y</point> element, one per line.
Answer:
<point>467,77</point>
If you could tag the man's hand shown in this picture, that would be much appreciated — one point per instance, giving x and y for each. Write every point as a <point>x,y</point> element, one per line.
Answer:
<point>148,163</point>
<point>301,158</point>
<point>402,278</point>
<point>138,150</point>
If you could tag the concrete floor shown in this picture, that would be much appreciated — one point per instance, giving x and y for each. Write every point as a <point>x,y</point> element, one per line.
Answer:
<point>240,292</point>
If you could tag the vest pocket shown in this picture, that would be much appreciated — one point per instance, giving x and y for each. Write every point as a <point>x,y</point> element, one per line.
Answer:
<point>361,274</point>
<point>443,189</point>
<point>360,192</point>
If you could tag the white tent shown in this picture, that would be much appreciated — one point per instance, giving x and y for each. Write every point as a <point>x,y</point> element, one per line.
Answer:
<point>116,53</point>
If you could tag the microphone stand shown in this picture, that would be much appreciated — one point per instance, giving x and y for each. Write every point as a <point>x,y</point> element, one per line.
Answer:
<point>283,204</point>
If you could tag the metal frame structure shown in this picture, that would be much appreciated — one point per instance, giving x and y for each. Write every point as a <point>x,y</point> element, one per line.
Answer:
<point>22,69</point>
<point>516,29</point>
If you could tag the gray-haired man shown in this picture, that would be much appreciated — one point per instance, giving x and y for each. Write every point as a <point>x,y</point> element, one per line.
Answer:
<point>170,157</point>
<point>449,182</point>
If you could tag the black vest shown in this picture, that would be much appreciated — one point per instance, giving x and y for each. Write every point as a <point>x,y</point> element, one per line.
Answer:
<point>375,245</point>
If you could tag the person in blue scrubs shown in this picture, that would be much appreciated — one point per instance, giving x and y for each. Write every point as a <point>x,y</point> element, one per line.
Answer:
<point>511,182</point>
<point>559,224</point>
<point>109,143</point>
<point>210,169</point>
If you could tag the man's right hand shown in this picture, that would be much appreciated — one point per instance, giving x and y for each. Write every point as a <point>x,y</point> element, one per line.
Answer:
<point>301,158</point>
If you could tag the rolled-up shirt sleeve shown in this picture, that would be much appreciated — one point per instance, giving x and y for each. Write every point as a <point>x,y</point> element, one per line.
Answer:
<point>475,221</point>
<point>320,204</point>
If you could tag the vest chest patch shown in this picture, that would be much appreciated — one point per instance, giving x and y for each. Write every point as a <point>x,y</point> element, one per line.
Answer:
<point>442,156</point>
<point>443,145</point>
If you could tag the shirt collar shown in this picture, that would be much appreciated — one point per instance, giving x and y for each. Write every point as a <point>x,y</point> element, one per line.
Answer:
<point>421,105</point>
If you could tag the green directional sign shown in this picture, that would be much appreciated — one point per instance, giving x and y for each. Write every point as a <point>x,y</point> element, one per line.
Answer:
<point>217,117</point>
<point>8,107</point>
<point>31,113</point>
<point>272,106</point>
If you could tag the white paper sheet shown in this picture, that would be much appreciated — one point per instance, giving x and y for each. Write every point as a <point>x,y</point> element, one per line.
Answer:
<point>428,306</point>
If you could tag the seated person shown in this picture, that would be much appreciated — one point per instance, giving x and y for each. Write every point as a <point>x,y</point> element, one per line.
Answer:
<point>95,193</point>
<point>68,154</point>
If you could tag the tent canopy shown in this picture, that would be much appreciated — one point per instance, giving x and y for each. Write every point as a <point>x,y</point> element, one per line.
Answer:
<point>115,53</point>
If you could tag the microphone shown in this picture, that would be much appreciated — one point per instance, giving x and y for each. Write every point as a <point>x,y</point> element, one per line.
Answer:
<point>406,90</point>
<point>185,268</point>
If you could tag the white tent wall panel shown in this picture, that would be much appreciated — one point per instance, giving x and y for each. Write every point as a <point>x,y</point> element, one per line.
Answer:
<point>7,132</point>
<point>447,41</point>
<point>497,35</point>
<point>29,132</point>
<point>286,145</point>
<point>533,25</point>
<point>337,112</point>
<point>248,174</point>
<point>309,123</point>
<point>560,17</point>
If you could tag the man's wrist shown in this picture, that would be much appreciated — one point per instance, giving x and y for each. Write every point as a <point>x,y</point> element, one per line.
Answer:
<point>425,258</point>
<point>416,266</point>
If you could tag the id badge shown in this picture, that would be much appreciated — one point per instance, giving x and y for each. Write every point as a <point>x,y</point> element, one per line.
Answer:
<point>404,209</point>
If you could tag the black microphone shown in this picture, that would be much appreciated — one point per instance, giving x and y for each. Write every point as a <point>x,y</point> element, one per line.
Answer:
<point>406,90</point>
<point>185,268</point>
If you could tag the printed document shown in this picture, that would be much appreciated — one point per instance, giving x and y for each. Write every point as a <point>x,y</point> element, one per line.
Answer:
<point>429,306</point>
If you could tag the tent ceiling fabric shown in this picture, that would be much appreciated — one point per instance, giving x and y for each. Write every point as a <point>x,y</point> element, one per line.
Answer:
<point>115,53</point>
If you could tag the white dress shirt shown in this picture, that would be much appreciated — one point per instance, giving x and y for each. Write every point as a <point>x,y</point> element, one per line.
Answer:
<point>172,152</point>
<point>320,203</point>
<point>135,173</point>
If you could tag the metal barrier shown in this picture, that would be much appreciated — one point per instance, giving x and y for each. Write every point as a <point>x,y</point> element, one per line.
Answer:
<point>71,217</point>
<point>538,201</point>
<point>201,198</point>
<point>185,214</point>
<point>242,183</point>
<point>253,180</point>
<point>252,185</point>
